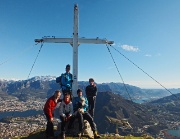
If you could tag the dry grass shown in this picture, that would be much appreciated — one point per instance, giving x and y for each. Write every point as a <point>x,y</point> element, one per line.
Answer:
<point>41,135</point>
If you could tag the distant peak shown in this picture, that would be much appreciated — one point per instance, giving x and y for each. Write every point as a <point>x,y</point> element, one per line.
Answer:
<point>43,78</point>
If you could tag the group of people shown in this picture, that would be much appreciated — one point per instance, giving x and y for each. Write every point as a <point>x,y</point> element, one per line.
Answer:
<point>70,108</point>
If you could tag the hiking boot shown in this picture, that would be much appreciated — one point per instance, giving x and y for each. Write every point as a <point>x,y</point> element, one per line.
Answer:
<point>62,135</point>
<point>96,135</point>
<point>79,134</point>
<point>49,137</point>
<point>90,137</point>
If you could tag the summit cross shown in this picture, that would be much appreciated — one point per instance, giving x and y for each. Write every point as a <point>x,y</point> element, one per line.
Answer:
<point>75,42</point>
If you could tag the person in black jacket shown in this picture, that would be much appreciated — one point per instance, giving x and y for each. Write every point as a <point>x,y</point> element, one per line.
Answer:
<point>91,93</point>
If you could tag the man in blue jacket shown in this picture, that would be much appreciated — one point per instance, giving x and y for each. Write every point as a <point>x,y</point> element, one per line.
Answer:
<point>66,81</point>
<point>80,106</point>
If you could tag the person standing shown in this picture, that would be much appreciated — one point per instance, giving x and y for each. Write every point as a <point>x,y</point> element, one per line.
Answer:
<point>66,111</point>
<point>66,81</point>
<point>49,107</point>
<point>91,93</point>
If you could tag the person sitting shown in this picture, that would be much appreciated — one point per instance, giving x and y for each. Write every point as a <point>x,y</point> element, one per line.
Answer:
<point>80,105</point>
<point>49,107</point>
<point>66,111</point>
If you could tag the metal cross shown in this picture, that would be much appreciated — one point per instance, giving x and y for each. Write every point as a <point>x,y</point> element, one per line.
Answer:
<point>75,42</point>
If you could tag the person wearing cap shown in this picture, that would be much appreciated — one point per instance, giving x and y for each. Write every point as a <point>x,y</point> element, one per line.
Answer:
<point>91,93</point>
<point>80,105</point>
<point>49,107</point>
<point>66,81</point>
<point>66,111</point>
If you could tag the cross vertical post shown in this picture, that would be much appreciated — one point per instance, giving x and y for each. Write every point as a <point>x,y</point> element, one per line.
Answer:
<point>75,42</point>
<point>75,51</point>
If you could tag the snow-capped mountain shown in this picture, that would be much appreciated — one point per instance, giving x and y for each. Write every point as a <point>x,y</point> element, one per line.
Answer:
<point>44,86</point>
<point>43,78</point>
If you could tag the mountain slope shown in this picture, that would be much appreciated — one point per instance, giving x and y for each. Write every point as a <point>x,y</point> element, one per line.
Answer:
<point>170,104</point>
<point>113,105</point>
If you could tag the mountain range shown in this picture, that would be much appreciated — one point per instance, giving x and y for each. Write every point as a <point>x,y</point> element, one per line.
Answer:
<point>44,86</point>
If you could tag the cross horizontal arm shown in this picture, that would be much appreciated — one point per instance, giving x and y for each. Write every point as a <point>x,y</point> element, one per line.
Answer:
<point>70,40</point>
<point>55,40</point>
<point>94,41</point>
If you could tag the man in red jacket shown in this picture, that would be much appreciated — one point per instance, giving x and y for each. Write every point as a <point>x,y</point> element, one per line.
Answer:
<point>48,111</point>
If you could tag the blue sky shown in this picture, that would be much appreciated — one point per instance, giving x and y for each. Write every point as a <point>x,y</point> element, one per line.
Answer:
<point>147,32</point>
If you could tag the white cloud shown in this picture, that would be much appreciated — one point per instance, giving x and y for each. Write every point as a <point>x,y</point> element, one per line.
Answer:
<point>129,48</point>
<point>148,55</point>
